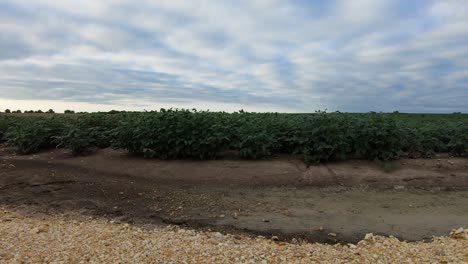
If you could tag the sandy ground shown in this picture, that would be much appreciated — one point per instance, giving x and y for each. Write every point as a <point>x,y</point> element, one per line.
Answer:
<point>75,238</point>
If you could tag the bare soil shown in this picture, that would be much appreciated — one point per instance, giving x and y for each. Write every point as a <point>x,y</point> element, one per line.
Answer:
<point>336,202</point>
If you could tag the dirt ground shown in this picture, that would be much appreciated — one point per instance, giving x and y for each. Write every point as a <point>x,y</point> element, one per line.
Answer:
<point>337,202</point>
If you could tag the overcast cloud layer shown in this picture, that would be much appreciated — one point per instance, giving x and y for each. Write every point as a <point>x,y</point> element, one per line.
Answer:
<point>297,56</point>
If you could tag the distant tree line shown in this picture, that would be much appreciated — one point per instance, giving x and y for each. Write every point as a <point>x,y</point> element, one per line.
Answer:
<point>68,111</point>
<point>50,111</point>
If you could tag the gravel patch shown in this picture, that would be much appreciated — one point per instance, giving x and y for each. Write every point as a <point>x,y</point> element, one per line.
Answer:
<point>74,238</point>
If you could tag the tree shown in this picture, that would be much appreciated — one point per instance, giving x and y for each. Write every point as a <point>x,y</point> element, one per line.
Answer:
<point>17,111</point>
<point>69,111</point>
<point>7,111</point>
<point>50,111</point>
<point>39,111</point>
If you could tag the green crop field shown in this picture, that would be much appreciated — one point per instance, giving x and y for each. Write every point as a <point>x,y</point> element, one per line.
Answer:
<point>179,134</point>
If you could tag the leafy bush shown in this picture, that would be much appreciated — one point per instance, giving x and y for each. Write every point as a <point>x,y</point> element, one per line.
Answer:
<point>252,135</point>
<point>256,145</point>
<point>172,134</point>
<point>458,143</point>
<point>29,135</point>
<point>5,124</point>
<point>87,133</point>
<point>377,137</point>
<point>177,134</point>
<point>321,137</point>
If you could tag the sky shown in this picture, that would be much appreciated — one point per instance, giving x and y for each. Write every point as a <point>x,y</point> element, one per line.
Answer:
<point>256,55</point>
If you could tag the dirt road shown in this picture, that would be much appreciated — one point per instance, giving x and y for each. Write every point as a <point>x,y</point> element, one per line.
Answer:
<point>282,197</point>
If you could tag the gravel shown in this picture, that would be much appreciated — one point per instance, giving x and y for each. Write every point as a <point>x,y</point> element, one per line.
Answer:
<point>74,238</point>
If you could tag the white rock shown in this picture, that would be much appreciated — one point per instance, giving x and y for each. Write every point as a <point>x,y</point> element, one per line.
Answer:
<point>218,235</point>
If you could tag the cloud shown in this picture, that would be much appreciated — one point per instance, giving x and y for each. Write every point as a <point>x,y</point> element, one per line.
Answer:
<point>296,56</point>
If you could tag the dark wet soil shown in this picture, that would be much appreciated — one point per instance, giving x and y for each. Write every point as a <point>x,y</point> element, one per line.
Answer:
<point>414,200</point>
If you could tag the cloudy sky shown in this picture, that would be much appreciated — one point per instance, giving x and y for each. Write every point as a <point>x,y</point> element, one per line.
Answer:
<point>257,55</point>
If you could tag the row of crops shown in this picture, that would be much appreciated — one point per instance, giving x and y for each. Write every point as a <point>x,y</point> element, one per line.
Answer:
<point>179,134</point>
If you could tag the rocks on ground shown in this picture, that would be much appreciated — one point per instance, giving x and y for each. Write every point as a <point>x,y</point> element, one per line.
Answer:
<point>75,239</point>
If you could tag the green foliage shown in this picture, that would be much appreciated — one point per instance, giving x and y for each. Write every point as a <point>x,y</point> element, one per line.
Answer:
<point>78,140</point>
<point>253,135</point>
<point>86,133</point>
<point>7,111</point>
<point>29,135</point>
<point>377,137</point>
<point>458,142</point>
<point>5,123</point>
<point>324,137</point>
<point>178,134</point>
<point>172,134</point>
